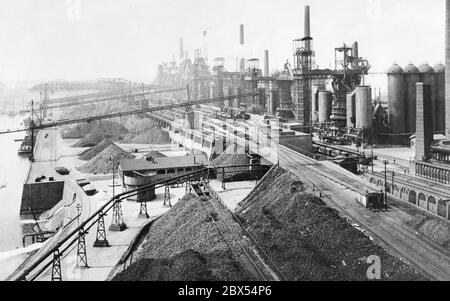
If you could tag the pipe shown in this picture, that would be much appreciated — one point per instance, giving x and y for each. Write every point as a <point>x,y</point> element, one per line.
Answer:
<point>447,69</point>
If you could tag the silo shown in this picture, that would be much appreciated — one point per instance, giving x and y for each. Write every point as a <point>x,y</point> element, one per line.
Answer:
<point>427,76</point>
<point>325,104</point>
<point>411,79</point>
<point>396,99</point>
<point>364,107</point>
<point>439,81</point>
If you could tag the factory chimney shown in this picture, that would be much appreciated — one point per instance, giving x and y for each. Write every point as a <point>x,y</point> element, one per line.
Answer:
<point>424,122</point>
<point>181,49</point>
<point>242,43</point>
<point>307,36</point>
<point>307,22</point>
<point>447,69</point>
<point>241,35</point>
<point>266,63</point>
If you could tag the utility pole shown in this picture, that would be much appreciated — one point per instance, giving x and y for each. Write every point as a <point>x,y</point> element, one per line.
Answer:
<point>372,159</point>
<point>373,139</point>
<point>32,131</point>
<point>385,162</point>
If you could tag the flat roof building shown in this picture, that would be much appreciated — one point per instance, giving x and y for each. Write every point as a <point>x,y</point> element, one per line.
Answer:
<point>136,173</point>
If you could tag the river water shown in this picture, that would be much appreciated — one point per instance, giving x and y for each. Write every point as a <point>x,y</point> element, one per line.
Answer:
<point>13,171</point>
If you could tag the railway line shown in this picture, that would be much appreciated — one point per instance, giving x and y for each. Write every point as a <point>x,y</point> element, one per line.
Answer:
<point>252,263</point>
<point>423,254</point>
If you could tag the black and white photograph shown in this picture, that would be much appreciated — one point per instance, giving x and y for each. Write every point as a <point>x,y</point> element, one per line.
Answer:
<point>248,143</point>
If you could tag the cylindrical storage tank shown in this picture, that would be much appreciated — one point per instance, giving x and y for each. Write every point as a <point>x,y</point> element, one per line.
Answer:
<point>351,110</point>
<point>396,99</point>
<point>427,76</point>
<point>439,80</point>
<point>315,103</point>
<point>325,104</point>
<point>412,77</point>
<point>364,107</point>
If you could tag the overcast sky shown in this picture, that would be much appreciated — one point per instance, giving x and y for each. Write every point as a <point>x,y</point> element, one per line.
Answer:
<point>52,39</point>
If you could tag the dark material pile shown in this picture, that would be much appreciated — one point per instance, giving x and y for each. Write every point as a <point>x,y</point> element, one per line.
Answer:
<point>184,244</point>
<point>102,163</point>
<point>155,154</point>
<point>146,132</point>
<point>94,151</point>
<point>107,129</point>
<point>187,266</point>
<point>307,240</point>
<point>232,174</point>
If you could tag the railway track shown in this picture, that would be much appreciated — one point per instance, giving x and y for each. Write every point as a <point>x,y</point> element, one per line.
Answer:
<point>388,236</point>
<point>249,260</point>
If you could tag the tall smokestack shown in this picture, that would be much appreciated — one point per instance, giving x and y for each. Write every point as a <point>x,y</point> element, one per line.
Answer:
<point>205,45</point>
<point>266,63</point>
<point>241,35</point>
<point>424,122</point>
<point>181,49</point>
<point>307,28</point>
<point>447,69</point>
<point>307,22</point>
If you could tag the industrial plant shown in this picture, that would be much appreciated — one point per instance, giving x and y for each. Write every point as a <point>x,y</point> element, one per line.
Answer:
<point>258,172</point>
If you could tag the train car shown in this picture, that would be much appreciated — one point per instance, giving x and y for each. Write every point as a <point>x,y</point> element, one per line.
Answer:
<point>372,199</point>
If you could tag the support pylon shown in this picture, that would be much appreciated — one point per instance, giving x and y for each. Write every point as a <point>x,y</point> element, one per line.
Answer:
<point>56,266</point>
<point>81,250</point>
<point>143,213</point>
<point>101,241</point>
<point>117,224</point>
<point>167,202</point>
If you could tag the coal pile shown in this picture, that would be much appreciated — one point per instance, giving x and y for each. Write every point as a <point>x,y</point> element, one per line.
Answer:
<point>232,174</point>
<point>146,132</point>
<point>107,128</point>
<point>94,151</point>
<point>102,164</point>
<point>307,240</point>
<point>186,227</point>
<point>184,245</point>
<point>187,266</point>
<point>155,154</point>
